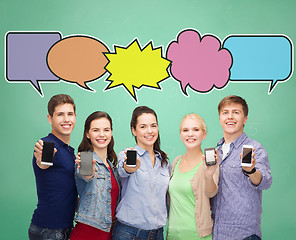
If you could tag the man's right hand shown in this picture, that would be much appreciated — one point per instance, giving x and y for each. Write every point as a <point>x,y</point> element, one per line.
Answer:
<point>38,154</point>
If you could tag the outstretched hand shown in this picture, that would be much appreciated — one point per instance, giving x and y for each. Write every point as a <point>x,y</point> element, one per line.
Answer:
<point>131,169</point>
<point>78,161</point>
<point>253,162</point>
<point>38,154</point>
<point>210,170</point>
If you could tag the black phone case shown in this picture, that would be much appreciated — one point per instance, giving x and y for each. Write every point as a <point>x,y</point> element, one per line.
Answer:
<point>131,157</point>
<point>86,163</point>
<point>47,152</point>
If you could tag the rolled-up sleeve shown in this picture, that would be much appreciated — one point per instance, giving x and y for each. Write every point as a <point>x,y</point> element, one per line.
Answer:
<point>216,180</point>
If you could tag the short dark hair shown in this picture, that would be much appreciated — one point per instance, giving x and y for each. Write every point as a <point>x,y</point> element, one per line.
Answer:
<point>57,100</point>
<point>234,99</point>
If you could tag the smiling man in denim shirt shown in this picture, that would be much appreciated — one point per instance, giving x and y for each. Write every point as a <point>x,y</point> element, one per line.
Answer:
<point>237,207</point>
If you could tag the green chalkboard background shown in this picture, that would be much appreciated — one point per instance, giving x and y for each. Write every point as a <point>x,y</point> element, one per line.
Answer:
<point>23,111</point>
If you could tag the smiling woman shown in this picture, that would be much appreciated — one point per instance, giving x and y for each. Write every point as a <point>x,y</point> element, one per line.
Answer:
<point>142,211</point>
<point>146,131</point>
<point>100,134</point>
<point>99,192</point>
<point>192,184</point>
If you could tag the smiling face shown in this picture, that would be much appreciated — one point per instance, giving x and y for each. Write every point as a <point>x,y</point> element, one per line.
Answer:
<point>192,133</point>
<point>100,133</point>
<point>146,131</point>
<point>63,121</point>
<point>232,120</point>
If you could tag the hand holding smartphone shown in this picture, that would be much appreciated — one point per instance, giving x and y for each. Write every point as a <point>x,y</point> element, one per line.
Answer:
<point>47,153</point>
<point>86,165</point>
<point>247,156</point>
<point>210,156</point>
<point>131,155</point>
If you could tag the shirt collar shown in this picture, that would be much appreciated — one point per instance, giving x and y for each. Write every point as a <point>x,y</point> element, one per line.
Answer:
<point>141,152</point>
<point>96,156</point>
<point>59,141</point>
<point>236,143</point>
<point>100,161</point>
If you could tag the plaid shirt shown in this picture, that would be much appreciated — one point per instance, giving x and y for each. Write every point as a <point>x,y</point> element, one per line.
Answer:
<point>237,207</point>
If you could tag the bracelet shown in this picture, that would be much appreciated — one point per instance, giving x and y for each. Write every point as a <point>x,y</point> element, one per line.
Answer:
<point>249,173</point>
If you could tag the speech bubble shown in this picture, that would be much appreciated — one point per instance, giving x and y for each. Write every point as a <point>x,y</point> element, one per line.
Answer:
<point>26,57</point>
<point>78,59</point>
<point>133,67</point>
<point>198,62</point>
<point>260,58</point>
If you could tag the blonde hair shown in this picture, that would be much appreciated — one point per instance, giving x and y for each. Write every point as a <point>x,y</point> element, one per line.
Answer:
<point>196,117</point>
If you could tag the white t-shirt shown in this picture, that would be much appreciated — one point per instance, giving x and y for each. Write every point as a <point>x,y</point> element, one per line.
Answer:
<point>225,149</point>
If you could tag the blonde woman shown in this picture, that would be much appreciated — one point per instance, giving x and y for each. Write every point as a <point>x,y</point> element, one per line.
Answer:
<point>192,185</point>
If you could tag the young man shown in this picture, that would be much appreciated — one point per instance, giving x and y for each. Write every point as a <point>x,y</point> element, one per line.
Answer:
<point>56,190</point>
<point>237,207</point>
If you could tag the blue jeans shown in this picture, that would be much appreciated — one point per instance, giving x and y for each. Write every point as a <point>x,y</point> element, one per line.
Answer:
<point>38,233</point>
<point>253,237</point>
<point>125,232</point>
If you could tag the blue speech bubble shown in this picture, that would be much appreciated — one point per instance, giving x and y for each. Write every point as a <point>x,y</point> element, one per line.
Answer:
<point>260,58</point>
<point>26,57</point>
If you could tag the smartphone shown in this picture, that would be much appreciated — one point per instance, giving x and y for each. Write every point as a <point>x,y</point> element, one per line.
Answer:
<point>86,168</point>
<point>47,153</point>
<point>131,155</point>
<point>210,158</point>
<point>247,156</point>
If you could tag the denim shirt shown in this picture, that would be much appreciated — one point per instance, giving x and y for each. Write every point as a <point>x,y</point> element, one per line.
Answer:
<point>94,207</point>
<point>144,192</point>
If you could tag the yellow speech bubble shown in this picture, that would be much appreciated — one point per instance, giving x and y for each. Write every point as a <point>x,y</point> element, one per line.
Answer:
<point>133,68</point>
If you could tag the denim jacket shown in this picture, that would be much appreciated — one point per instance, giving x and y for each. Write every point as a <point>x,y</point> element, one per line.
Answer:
<point>94,207</point>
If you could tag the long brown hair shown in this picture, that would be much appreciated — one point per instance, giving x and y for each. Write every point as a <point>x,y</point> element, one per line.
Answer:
<point>86,145</point>
<point>138,111</point>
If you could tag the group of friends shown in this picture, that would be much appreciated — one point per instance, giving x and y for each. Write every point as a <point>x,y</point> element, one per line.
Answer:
<point>120,202</point>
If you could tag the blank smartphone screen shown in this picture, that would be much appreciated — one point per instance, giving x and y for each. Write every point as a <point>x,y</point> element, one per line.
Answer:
<point>210,156</point>
<point>247,155</point>
<point>47,152</point>
<point>86,168</point>
<point>131,157</point>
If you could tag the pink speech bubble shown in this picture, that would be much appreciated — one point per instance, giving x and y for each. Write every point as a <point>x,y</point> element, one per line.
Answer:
<point>199,62</point>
